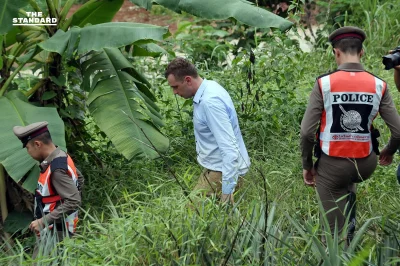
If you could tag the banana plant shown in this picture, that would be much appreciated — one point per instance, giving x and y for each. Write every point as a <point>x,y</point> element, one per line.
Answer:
<point>22,45</point>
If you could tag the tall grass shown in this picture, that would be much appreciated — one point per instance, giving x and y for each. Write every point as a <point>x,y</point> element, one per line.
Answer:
<point>164,231</point>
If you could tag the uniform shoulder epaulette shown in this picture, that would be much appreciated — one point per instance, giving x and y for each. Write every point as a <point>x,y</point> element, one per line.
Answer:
<point>326,74</point>
<point>59,163</point>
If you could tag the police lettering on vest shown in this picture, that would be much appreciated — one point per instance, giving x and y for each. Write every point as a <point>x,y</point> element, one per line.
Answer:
<point>352,98</point>
<point>351,103</point>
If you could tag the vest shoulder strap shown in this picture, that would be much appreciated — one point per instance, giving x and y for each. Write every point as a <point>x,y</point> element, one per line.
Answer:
<point>384,82</point>
<point>376,76</point>
<point>59,163</point>
<point>327,74</point>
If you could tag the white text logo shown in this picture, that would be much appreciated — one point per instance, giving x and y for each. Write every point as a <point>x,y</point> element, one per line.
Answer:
<point>34,19</point>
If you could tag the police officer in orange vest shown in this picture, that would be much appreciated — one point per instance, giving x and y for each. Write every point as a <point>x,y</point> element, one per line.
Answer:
<point>57,196</point>
<point>343,105</point>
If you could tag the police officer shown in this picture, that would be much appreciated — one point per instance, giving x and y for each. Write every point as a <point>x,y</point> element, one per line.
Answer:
<point>344,103</point>
<point>57,197</point>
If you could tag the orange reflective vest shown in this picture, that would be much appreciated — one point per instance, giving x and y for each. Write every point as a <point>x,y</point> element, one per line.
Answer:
<point>46,198</point>
<point>351,103</point>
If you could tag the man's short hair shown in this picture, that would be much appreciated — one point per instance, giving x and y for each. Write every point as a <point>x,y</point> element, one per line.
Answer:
<point>351,46</point>
<point>180,67</point>
<point>44,137</point>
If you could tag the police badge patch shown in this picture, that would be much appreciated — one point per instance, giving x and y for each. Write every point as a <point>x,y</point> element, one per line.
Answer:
<point>350,120</point>
<point>350,112</point>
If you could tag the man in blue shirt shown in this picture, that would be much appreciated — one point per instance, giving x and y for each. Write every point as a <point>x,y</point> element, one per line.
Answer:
<point>219,142</point>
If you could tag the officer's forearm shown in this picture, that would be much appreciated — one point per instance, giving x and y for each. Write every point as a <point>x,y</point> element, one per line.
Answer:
<point>309,125</point>
<point>306,145</point>
<point>397,78</point>
<point>393,145</point>
<point>389,114</point>
<point>81,180</point>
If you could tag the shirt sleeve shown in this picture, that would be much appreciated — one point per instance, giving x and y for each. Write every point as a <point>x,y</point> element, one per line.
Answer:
<point>389,114</point>
<point>68,191</point>
<point>219,123</point>
<point>311,118</point>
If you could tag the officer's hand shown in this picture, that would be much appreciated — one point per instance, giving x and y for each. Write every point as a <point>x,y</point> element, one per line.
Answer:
<point>36,226</point>
<point>309,177</point>
<point>385,158</point>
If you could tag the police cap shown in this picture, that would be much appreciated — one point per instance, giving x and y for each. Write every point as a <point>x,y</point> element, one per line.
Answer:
<point>31,131</point>
<point>347,32</point>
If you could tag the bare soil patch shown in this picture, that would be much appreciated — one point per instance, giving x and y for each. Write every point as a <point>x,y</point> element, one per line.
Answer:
<point>132,13</point>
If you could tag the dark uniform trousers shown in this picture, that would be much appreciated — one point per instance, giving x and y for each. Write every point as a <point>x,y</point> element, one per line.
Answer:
<point>336,179</point>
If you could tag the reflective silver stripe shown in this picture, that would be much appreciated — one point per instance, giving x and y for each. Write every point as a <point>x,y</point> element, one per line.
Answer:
<point>72,173</point>
<point>379,86</point>
<point>377,100</point>
<point>70,222</point>
<point>327,137</point>
<point>326,92</point>
<point>45,191</point>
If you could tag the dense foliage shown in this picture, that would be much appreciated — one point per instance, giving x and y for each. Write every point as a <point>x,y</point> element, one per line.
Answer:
<point>136,213</point>
<point>83,67</point>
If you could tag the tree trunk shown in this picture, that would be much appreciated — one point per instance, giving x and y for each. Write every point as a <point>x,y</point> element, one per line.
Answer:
<point>3,196</point>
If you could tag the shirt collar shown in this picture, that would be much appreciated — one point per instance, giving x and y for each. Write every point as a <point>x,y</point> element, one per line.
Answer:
<point>200,91</point>
<point>351,66</point>
<point>43,165</point>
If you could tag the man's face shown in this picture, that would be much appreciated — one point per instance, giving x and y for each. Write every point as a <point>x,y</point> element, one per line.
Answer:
<point>33,149</point>
<point>181,87</point>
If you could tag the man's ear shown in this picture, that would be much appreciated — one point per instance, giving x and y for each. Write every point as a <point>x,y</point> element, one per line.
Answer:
<point>361,53</point>
<point>37,144</point>
<point>188,79</point>
<point>336,52</point>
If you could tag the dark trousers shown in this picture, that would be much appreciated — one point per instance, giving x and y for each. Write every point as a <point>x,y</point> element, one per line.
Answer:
<point>336,178</point>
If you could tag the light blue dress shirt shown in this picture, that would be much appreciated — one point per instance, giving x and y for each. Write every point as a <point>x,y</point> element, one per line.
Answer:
<point>219,142</point>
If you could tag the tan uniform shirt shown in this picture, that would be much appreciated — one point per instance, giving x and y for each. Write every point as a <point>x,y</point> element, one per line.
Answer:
<point>64,186</point>
<point>313,115</point>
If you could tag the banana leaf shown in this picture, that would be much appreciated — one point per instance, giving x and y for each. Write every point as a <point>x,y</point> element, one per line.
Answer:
<point>16,111</point>
<point>240,10</point>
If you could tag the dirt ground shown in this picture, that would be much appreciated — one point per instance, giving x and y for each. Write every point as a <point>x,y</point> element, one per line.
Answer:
<point>132,13</point>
